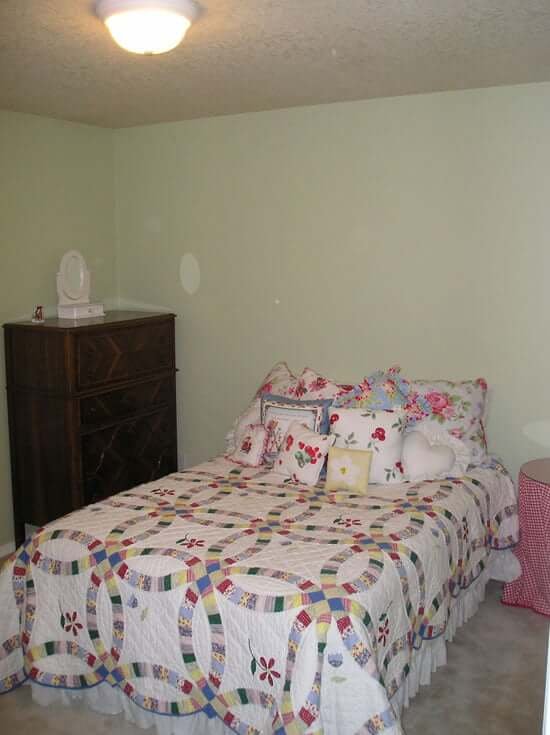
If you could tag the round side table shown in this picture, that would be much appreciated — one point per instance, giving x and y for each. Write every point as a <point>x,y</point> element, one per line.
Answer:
<point>532,589</point>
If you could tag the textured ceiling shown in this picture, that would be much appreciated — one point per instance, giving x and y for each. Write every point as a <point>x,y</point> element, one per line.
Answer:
<point>57,59</point>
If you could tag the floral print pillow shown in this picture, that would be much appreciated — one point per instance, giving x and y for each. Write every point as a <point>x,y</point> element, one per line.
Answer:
<point>381,391</point>
<point>278,380</point>
<point>382,432</point>
<point>311,385</point>
<point>250,446</point>
<point>303,454</point>
<point>457,407</point>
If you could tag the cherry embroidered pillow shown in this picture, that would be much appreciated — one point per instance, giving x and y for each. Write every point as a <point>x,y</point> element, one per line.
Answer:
<point>250,446</point>
<point>303,454</point>
<point>380,431</point>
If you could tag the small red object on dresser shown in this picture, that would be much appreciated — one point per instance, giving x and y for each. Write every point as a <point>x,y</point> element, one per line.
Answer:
<point>532,589</point>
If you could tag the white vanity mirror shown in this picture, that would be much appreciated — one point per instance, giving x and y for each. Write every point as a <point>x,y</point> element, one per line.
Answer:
<point>73,289</point>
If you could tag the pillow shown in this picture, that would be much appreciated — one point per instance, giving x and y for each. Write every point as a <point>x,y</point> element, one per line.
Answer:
<point>381,391</point>
<point>277,413</point>
<point>380,431</point>
<point>457,407</point>
<point>348,469</point>
<point>278,380</point>
<point>430,453</point>
<point>303,454</point>
<point>323,403</point>
<point>251,443</point>
<point>311,385</point>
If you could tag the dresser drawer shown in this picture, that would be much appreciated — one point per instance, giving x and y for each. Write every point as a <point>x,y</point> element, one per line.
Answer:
<point>123,354</point>
<point>128,454</point>
<point>125,402</point>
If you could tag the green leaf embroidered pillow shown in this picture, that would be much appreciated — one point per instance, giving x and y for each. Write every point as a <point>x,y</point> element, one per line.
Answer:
<point>303,454</point>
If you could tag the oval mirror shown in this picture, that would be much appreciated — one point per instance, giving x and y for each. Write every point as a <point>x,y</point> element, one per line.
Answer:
<point>73,272</point>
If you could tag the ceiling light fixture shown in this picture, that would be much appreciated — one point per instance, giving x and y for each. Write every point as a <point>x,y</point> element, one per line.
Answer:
<point>147,26</point>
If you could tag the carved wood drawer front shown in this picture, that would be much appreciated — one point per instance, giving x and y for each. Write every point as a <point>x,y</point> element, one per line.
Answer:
<point>128,454</point>
<point>123,354</point>
<point>119,404</point>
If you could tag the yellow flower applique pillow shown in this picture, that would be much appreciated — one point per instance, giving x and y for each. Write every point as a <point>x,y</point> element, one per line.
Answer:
<point>348,469</point>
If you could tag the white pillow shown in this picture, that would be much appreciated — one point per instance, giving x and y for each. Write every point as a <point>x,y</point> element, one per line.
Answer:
<point>251,443</point>
<point>379,431</point>
<point>431,453</point>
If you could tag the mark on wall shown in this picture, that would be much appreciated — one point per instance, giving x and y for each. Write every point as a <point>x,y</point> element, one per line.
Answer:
<point>190,273</point>
<point>538,432</point>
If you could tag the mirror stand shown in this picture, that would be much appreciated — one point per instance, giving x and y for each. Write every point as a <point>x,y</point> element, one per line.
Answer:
<point>73,289</point>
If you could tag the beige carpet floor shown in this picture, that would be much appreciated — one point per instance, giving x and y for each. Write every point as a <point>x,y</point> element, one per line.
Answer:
<point>493,684</point>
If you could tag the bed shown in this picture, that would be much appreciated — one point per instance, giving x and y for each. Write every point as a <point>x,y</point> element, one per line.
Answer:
<point>225,598</point>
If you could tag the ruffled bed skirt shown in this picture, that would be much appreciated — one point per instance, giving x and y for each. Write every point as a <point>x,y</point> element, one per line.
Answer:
<point>433,654</point>
<point>425,661</point>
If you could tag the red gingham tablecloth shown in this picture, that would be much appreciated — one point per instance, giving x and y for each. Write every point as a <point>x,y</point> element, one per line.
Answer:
<point>532,589</point>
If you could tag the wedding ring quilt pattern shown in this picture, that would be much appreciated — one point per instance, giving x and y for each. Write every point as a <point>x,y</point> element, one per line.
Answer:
<point>229,591</point>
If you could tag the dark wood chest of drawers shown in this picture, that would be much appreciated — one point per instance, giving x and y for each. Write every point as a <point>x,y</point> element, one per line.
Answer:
<point>92,410</point>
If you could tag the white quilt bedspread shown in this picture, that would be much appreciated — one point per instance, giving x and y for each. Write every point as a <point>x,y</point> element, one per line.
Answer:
<point>273,607</point>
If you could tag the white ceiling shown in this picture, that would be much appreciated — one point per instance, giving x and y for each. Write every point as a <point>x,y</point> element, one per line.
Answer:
<point>57,59</point>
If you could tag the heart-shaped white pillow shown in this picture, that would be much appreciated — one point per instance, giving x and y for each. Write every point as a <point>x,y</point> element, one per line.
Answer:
<point>423,460</point>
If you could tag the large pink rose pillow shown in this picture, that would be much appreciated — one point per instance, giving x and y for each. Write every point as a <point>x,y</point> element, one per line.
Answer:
<point>457,407</point>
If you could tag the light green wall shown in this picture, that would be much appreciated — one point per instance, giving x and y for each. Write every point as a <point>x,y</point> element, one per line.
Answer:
<point>56,193</point>
<point>412,230</point>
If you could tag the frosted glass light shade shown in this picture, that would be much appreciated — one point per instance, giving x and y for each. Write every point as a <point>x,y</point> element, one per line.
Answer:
<point>147,26</point>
